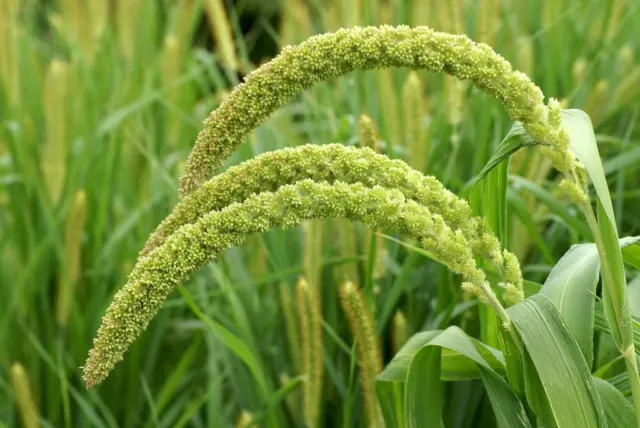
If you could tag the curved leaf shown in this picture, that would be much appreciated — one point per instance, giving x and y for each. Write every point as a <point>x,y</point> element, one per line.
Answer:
<point>515,139</point>
<point>616,407</point>
<point>563,372</point>
<point>420,358</point>
<point>571,286</point>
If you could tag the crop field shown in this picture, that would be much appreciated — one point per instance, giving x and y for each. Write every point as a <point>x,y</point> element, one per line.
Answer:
<point>319,213</point>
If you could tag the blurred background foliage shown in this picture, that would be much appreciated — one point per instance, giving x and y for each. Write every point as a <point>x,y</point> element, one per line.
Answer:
<point>101,101</point>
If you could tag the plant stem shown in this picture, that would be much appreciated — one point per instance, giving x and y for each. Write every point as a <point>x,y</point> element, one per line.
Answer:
<point>632,370</point>
<point>493,301</point>
<point>625,343</point>
<point>496,305</point>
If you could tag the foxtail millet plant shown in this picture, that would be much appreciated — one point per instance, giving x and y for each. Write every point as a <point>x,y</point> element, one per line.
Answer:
<point>399,331</point>
<point>370,359</point>
<point>331,163</point>
<point>24,397</point>
<point>157,274</point>
<point>312,247</point>
<point>310,315</point>
<point>291,326</point>
<point>221,29</point>
<point>193,235</point>
<point>368,48</point>
<point>346,236</point>
<point>335,54</point>
<point>70,273</point>
<point>55,149</point>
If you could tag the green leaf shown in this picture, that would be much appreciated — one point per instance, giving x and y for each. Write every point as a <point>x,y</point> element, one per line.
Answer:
<point>536,395</point>
<point>617,408</point>
<point>571,286</point>
<point>513,362</point>
<point>277,397</point>
<point>495,201</point>
<point>614,289</point>
<point>583,144</point>
<point>231,341</point>
<point>457,367</point>
<point>515,139</point>
<point>390,383</point>
<point>622,161</point>
<point>428,347</point>
<point>489,200</point>
<point>423,389</point>
<point>563,372</point>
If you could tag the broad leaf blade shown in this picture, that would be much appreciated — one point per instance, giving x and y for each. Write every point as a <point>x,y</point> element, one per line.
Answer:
<point>513,363</point>
<point>563,371</point>
<point>508,410</point>
<point>617,408</point>
<point>571,286</point>
<point>536,395</point>
<point>423,390</point>
<point>452,342</point>
<point>390,383</point>
<point>583,144</point>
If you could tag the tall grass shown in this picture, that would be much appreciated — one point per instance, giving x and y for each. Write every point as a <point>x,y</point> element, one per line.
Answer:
<point>100,103</point>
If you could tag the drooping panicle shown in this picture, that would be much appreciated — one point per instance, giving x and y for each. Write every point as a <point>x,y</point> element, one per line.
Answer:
<point>328,163</point>
<point>156,275</point>
<point>335,54</point>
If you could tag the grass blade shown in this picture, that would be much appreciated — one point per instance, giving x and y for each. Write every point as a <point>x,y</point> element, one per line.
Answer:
<point>616,407</point>
<point>571,287</point>
<point>426,351</point>
<point>563,371</point>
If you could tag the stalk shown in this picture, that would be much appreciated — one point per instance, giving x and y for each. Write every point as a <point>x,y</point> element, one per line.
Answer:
<point>312,365</point>
<point>399,331</point>
<point>54,152</point>
<point>24,397</point>
<point>363,330</point>
<point>313,243</point>
<point>622,314</point>
<point>221,29</point>
<point>291,328</point>
<point>72,269</point>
